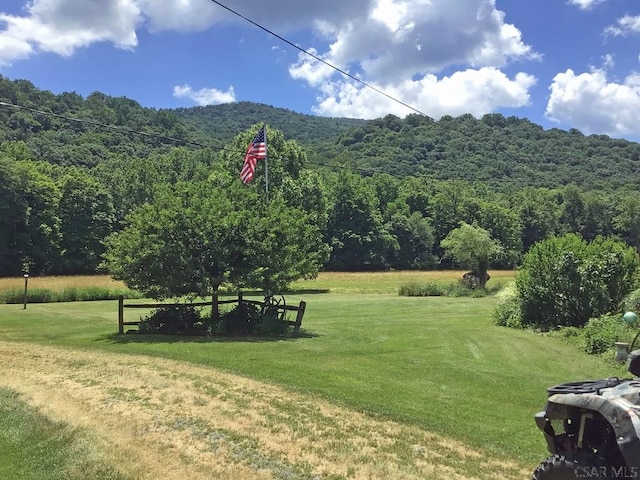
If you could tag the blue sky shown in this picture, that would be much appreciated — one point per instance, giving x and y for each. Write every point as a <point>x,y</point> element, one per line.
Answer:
<point>560,63</point>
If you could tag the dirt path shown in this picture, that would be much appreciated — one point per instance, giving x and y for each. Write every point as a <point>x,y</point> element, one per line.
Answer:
<point>156,418</point>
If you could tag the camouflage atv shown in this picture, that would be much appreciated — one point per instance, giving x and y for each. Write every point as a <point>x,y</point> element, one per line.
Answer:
<point>592,428</point>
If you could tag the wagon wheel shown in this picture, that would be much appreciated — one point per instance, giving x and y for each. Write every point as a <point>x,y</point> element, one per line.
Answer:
<point>275,302</point>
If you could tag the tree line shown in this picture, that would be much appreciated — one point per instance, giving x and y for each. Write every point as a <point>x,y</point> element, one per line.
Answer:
<point>375,200</point>
<point>54,219</point>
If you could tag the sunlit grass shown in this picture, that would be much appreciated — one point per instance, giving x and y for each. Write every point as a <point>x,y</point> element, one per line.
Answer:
<point>388,282</point>
<point>36,448</point>
<point>47,289</point>
<point>435,362</point>
<point>59,283</point>
<point>103,287</point>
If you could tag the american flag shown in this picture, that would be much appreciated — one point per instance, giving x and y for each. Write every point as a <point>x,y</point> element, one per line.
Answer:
<point>257,150</point>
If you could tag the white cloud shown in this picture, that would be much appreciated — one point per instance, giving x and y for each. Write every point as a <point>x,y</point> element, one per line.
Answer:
<point>627,25</point>
<point>593,104</point>
<point>185,15</point>
<point>585,4</point>
<point>401,45</point>
<point>469,91</point>
<point>204,96</point>
<point>608,61</point>
<point>62,26</point>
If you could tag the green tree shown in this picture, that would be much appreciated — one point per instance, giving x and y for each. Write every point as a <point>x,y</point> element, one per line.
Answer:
<point>472,247</point>
<point>565,281</point>
<point>29,225</point>
<point>359,238</point>
<point>415,242</point>
<point>188,241</point>
<point>627,220</point>
<point>538,213</point>
<point>504,226</point>
<point>86,216</point>
<point>196,235</point>
<point>284,244</point>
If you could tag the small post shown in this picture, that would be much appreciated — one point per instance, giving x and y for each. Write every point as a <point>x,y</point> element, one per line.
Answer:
<point>121,314</point>
<point>296,327</point>
<point>24,298</point>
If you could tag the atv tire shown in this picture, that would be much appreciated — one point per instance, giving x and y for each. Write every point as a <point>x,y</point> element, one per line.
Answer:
<point>569,467</point>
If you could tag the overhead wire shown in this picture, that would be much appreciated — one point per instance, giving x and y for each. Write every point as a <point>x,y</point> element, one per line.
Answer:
<point>178,141</point>
<point>219,148</point>
<point>319,59</point>
<point>106,125</point>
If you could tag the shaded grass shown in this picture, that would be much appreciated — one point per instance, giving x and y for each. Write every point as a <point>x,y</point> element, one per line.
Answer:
<point>439,363</point>
<point>35,447</point>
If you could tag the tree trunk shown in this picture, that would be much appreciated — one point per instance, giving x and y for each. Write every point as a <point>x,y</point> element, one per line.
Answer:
<point>215,306</point>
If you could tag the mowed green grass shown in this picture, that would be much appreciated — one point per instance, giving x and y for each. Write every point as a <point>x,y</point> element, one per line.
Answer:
<point>36,448</point>
<point>439,362</point>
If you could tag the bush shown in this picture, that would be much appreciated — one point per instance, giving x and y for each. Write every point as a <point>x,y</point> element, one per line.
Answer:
<point>415,289</point>
<point>248,319</point>
<point>174,320</point>
<point>457,289</point>
<point>69,294</point>
<point>508,313</point>
<point>240,320</point>
<point>271,324</point>
<point>600,334</point>
<point>565,281</point>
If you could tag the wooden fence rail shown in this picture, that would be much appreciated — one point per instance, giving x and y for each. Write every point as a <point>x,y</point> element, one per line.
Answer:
<point>300,308</point>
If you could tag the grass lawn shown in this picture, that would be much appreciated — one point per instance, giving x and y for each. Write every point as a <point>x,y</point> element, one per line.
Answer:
<point>36,448</point>
<point>334,282</point>
<point>436,362</point>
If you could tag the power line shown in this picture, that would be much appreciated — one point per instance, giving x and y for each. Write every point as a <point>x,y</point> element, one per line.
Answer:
<point>165,138</point>
<point>109,127</point>
<point>306,52</point>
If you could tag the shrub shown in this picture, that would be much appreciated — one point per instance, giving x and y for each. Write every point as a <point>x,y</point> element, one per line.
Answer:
<point>248,319</point>
<point>508,313</point>
<point>565,281</point>
<point>69,294</point>
<point>173,320</point>
<point>415,289</point>
<point>600,334</point>
<point>433,289</point>
<point>271,324</point>
<point>240,320</point>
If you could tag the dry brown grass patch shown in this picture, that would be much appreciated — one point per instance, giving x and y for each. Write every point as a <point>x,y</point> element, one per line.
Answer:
<point>158,418</point>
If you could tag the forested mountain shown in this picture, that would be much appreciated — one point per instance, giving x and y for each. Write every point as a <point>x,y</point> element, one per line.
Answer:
<point>226,120</point>
<point>384,193</point>
<point>503,152</point>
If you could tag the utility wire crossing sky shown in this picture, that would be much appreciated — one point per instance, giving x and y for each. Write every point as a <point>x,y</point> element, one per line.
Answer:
<point>560,63</point>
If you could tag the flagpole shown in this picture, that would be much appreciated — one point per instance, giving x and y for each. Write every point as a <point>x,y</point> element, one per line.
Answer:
<point>266,164</point>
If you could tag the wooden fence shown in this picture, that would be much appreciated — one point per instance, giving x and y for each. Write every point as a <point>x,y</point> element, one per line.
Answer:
<point>281,307</point>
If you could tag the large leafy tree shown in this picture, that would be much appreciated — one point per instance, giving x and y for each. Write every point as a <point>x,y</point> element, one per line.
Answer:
<point>188,241</point>
<point>472,247</point>
<point>415,241</point>
<point>284,244</point>
<point>195,236</point>
<point>356,232</point>
<point>87,217</point>
<point>29,225</point>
